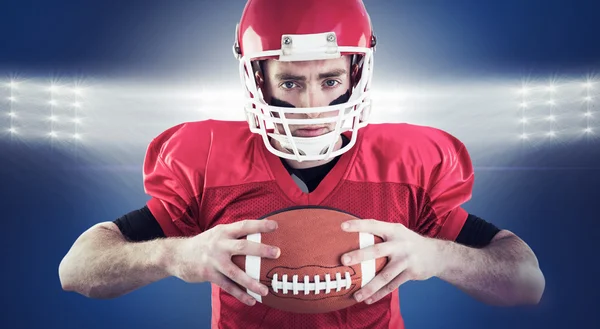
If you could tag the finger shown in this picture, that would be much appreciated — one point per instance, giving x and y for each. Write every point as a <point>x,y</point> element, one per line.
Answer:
<point>372,226</point>
<point>375,251</point>
<point>251,248</point>
<point>381,281</point>
<point>233,289</point>
<point>250,226</point>
<point>235,274</point>
<point>401,279</point>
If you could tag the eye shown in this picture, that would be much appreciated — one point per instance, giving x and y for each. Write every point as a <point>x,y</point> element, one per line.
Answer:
<point>288,85</point>
<point>331,83</point>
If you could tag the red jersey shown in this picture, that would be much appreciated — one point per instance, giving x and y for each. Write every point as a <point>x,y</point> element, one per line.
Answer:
<point>202,174</point>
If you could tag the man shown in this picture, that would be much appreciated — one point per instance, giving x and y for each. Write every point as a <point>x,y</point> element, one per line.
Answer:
<point>306,67</point>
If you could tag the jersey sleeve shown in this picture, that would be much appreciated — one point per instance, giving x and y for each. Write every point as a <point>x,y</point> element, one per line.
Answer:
<point>451,186</point>
<point>173,201</point>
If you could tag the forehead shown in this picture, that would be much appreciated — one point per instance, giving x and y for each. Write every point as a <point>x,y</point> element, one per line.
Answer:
<point>307,67</point>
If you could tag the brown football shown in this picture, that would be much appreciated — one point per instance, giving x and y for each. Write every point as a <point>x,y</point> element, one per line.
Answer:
<point>308,276</point>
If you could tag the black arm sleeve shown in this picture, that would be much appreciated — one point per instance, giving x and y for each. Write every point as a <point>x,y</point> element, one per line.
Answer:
<point>476,232</point>
<point>140,225</point>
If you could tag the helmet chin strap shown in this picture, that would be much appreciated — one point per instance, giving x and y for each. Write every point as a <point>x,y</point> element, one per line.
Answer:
<point>309,146</point>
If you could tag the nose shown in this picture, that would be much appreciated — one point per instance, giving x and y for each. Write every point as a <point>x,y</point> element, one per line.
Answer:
<point>313,97</point>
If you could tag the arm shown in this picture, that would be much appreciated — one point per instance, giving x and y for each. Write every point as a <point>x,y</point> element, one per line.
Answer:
<point>103,264</point>
<point>112,259</point>
<point>505,272</point>
<point>491,265</point>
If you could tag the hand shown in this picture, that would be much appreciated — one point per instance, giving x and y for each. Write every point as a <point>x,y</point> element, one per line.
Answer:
<point>207,257</point>
<point>410,257</point>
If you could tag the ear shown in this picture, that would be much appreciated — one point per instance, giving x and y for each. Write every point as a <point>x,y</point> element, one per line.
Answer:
<point>354,74</point>
<point>260,80</point>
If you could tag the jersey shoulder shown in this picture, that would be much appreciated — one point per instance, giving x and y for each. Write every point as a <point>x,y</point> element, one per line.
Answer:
<point>191,142</point>
<point>434,164</point>
<point>411,143</point>
<point>182,152</point>
<point>219,153</point>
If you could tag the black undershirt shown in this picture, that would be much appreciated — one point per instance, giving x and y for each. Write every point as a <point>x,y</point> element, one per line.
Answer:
<point>140,225</point>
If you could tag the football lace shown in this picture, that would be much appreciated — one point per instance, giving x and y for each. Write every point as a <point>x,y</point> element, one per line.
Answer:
<point>284,286</point>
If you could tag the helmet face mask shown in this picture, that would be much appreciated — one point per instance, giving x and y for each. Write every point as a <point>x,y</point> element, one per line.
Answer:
<point>303,31</point>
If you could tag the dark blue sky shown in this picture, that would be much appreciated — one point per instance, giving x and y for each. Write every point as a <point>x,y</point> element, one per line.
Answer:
<point>188,39</point>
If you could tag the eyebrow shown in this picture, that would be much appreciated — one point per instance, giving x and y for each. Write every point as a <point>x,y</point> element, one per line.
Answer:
<point>324,75</point>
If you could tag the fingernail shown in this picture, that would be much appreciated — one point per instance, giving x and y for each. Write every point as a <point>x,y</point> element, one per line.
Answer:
<point>264,291</point>
<point>275,252</point>
<point>358,297</point>
<point>346,259</point>
<point>271,225</point>
<point>369,301</point>
<point>345,226</point>
<point>251,302</point>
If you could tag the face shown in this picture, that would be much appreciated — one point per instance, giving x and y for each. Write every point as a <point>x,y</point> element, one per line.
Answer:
<point>307,84</point>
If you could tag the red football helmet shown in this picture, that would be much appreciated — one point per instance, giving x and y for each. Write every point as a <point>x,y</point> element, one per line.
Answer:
<point>301,31</point>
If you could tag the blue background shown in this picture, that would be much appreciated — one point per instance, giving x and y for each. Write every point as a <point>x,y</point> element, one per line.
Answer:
<point>48,197</point>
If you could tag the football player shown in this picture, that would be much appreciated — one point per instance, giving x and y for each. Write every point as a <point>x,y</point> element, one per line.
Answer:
<point>306,68</point>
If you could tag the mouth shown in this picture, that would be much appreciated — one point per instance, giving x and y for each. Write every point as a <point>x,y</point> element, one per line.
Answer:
<point>310,132</point>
